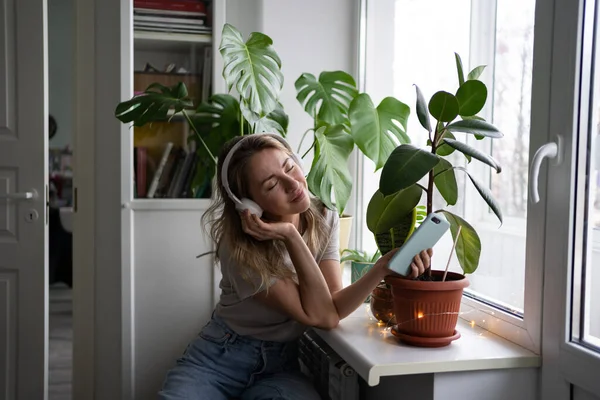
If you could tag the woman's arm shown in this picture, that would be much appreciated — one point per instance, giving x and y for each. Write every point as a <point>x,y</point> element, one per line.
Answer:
<point>310,301</point>
<point>348,299</point>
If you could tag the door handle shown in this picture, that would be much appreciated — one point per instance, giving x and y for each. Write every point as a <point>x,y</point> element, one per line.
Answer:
<point>20,196</point>
<point>548,150</point>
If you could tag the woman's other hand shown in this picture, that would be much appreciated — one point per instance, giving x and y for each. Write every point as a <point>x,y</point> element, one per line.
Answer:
<point>261,230</point>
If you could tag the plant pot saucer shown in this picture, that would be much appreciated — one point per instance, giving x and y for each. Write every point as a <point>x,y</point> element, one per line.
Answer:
<point>420,341</point>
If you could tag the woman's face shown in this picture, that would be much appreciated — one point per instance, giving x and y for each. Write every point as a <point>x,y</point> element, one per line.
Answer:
<point>277,184</point>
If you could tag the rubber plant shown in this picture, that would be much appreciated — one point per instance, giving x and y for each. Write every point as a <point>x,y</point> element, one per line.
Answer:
<point>392,211</point>
<point>252,68</point>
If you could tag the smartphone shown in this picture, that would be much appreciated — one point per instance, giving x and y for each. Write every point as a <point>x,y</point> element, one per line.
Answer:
<point>424,237</point>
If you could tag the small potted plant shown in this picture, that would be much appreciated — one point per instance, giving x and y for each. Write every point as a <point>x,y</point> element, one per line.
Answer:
<point>427,308</point>
<point>360,262</point>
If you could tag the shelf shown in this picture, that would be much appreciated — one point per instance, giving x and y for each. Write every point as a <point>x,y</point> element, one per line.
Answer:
<point>168,204</point>
<point>166,41</point>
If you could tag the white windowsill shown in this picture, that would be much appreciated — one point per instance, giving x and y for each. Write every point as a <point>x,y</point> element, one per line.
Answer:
<point>374,352</point>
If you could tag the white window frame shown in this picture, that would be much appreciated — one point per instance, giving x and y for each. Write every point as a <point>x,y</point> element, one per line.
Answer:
<point>525,330</point>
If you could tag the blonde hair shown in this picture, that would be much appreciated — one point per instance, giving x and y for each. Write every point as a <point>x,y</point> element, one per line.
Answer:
<point>264,259</point>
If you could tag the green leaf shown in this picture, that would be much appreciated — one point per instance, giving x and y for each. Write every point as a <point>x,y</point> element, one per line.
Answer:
<point>422,113</point>
<point>443,106</point>
<point>475,127</point>
<point>220,114</point>
<point>329,170</point>
<point>476,72</point>
<point>405,167</point>
<point>253,68</point>
<point>374,129</point>
<point>477,117</point>
<point>471,97</point>
<point>153,104</point>
<point>486,195</point>
<point>329,98</point>
<point>445,181</point>
<point>443,149</point>
<point>472,152</point>
<point>468,246</point>
<point>386,212</point>
<point>276,121</point>
<point>459,68</point>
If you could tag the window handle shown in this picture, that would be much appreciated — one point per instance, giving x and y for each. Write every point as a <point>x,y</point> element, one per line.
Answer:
<point>548,150</point>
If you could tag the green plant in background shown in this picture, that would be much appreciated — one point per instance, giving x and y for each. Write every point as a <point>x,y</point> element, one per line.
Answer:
<point>392,209</point>
<point>343,117</point>
<point>252,68</point>
<point>359,256</point>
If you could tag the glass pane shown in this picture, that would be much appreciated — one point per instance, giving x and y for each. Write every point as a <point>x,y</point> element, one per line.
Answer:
<point>586,268</point>
<point>483,33</point>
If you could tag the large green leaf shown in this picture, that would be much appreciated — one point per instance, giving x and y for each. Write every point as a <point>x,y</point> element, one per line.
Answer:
<point>443,106</point>
<point>329,171</point>
<point>422,112</point>
<point>276,122</point>
<point>445,181</point>
<point>471,97</point>
<point>253,68</point>
<point>386,212</point>
<point>475,127</point>
<point>153,104</point>
<point>374,129</point>
<point>220,114</point>
<point>472,152</point>
<point>328,98</point>
<point>459,69</point>
<point>468,246</point>
<point>405,167</point>
<point>486,195</point>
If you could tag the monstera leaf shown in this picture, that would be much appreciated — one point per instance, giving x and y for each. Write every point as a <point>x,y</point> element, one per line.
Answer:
<point>153,104</point>
<point>276,121</point>
<point>221,114</point>
<point>254,69</point>
<point>328,98</point>
<point>329,171</point>
<point>374,129</point>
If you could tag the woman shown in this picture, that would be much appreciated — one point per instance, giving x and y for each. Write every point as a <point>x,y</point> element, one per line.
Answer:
<point>281,274</point>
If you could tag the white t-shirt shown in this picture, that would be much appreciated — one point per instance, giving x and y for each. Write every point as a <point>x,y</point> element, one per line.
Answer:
<point>248,316</point>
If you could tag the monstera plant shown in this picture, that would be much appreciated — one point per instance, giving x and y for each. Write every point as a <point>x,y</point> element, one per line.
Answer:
<point>342,118</point>
<point>252,68</point>
<point>392,211</point>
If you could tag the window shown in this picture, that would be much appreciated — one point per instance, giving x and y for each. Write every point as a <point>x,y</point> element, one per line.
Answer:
<point>585,269</point>
<point>483,33</point>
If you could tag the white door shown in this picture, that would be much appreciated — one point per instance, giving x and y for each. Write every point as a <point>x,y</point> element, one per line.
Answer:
<point>23,179</point>
<point>571,316</point>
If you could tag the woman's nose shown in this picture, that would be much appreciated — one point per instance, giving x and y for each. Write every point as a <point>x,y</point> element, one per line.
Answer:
<point>291,184</point>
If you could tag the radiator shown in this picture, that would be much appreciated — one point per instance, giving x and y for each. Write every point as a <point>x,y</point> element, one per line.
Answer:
<point>333,378</point>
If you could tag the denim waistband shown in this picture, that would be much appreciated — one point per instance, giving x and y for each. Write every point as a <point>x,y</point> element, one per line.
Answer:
<point>248,339</point>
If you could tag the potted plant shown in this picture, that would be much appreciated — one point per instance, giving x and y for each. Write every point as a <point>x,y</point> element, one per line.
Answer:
<point>427,308</point>
<point>342,118</point>
<point>360,262</point>
<point>223,116</point>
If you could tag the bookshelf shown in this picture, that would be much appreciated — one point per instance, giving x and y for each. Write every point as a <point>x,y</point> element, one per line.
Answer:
<point>173,42</point>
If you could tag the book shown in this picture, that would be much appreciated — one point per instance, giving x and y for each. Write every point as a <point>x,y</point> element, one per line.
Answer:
<point>160,169</point>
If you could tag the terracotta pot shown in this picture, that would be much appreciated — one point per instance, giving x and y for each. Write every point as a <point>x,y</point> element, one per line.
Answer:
<point>427,309</point>
<point>382,304</point>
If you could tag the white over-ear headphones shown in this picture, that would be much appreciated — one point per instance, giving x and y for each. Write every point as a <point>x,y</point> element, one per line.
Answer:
<point>245,203</point>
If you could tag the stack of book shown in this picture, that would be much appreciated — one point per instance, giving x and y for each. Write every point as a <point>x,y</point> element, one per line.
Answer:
<point>175,16</point>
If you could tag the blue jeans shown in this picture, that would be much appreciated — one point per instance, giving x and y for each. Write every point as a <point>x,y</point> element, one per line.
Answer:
<point>222,365</point>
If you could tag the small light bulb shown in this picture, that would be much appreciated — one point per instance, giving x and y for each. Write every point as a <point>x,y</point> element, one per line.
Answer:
<point>420,315</point>
<point>472,324</point>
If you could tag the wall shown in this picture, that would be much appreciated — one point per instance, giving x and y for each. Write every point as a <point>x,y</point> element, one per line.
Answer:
<point>61,30</point>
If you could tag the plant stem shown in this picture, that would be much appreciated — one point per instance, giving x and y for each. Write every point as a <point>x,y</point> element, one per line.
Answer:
<point>302,140</point>
<point>452,251</point>
<point>309,149</point>
<point>189,120</point>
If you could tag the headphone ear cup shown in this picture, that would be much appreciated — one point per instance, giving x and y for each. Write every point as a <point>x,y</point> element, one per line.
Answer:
<point>247,204</point>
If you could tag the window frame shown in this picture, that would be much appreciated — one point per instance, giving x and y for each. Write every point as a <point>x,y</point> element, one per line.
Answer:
<point>523,330</point>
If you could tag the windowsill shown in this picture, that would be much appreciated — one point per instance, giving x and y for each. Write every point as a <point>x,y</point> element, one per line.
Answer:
<point>374,352</point>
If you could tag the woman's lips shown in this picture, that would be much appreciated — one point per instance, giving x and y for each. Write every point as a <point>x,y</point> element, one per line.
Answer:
<point>299,195</point>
